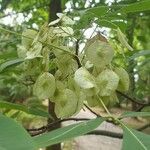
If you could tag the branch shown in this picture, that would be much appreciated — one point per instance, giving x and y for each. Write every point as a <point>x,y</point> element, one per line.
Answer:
<point>143,127</point>
<point>77,53</point>
<point>106,133</point>
<point>93,112</point>
<point>140,108</point>
<point>133,99</point>
<point>56,122</point>
<point>95,132</point>
<point>100,132</point>
<point>38,131</point>
<point>77,47</point>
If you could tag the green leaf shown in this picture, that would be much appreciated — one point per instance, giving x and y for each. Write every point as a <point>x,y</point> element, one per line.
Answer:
<point>2,148</point>
<point>84,79</point>
<point>44,86</point>
<point>10,63</point>
<point>134,140</point>
<point>135,114</point>
<point>140,53</point>
<point>106,23</point>
<point>8,54</point>
<point>13,136</point>
<point>113,24</point>
<point>98,11</point>
<point>32,111</point>
<point>66,133</point>
<point>136,7</point>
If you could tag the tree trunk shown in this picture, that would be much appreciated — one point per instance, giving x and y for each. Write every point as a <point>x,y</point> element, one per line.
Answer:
<point>54,8</point>
<point>51,111</point>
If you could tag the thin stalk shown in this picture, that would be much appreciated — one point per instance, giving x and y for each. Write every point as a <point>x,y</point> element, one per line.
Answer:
<point>108,112</point>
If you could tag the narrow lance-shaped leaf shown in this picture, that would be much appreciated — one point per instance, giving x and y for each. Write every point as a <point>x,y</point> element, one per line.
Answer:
<point>13,136</point>
<point>32,111</point>
<point>98,11</point>
<point>143,5</point>
<point>10,63</point>
<point>135,140</point>
<point>140,53</point>
<point>135,114</point>
<point>66,133</point>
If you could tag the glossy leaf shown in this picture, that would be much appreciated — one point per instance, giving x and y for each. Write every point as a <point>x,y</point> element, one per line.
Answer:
<point>10,63</point>
<point>140,53</point>
<point>66,133</point>
<point>98,11</point>
<point>135,140</point>
<point>135,114</point>
<point>136,7</point>
<point>13,136</point>
<point>23,108</point>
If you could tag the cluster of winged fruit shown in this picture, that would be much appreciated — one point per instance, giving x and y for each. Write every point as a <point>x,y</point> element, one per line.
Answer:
<point>52,63</point>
